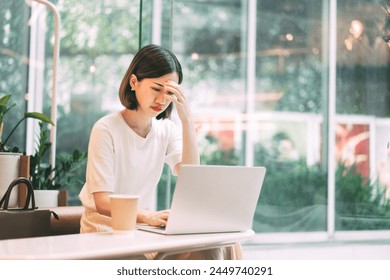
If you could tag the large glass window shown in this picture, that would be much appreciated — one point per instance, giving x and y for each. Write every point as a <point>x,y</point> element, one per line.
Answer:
<point>14,62</point>
<point>363,112</point>
<point>290,75</point>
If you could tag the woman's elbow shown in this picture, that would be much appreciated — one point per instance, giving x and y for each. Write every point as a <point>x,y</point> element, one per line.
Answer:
<point>102,203</point>
<point>176,169</point>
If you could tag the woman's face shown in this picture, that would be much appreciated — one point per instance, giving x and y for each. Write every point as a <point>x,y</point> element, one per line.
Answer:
<point>150,93</point>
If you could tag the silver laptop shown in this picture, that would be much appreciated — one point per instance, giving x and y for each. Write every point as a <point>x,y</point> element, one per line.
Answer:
<point>211,199</point>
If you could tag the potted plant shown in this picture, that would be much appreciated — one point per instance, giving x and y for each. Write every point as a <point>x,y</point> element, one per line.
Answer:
<point>48,181</point>
<point>9,153</point>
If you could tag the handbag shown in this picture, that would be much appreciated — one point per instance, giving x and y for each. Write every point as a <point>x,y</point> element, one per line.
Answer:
<point>23,222</point>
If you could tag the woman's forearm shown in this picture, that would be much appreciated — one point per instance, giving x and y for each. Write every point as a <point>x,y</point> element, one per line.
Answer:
<point>102,202</point>
<point>190,147</point>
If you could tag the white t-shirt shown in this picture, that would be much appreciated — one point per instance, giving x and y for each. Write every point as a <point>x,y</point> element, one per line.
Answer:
<point>121,161</point>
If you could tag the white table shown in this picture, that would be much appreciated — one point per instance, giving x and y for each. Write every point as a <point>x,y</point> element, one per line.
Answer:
<point>112,245</point>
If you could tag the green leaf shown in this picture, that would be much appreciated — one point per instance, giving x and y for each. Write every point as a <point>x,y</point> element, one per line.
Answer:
<point>39,116</point>
<point>4,100</point>
<point>3,106</point>
<point>76,154</point>
<point>2,112</point>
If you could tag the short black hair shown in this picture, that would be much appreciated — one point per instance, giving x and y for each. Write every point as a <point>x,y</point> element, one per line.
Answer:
<point>151,61</point>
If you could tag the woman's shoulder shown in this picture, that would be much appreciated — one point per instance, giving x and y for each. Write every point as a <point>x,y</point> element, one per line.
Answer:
<point>108,120</point>
<point>108,123</point>
<point>114,116</point>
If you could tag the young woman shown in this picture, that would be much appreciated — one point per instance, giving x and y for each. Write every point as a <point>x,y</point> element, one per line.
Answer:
<point>128,149</point>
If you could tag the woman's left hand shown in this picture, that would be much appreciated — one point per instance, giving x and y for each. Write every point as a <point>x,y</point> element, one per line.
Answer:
<point>190,153</point>
<point>177,96</point>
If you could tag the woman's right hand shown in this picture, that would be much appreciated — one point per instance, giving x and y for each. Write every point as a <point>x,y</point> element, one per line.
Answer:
<point>153,218</point>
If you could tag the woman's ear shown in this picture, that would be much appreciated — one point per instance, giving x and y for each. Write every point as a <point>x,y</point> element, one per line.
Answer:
<point>133,81</point>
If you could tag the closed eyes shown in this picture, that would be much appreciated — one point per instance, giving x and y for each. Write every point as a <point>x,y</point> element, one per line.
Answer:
<point>161,86</point>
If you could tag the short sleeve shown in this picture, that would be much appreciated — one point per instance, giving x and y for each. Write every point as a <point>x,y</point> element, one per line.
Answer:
<point>101,163</point>
<point>174,148</point>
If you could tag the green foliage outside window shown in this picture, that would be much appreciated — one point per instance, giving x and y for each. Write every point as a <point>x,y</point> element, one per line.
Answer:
<point>291,186</point>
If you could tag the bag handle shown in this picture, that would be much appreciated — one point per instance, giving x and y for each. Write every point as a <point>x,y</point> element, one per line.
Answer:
<point>30,193</point>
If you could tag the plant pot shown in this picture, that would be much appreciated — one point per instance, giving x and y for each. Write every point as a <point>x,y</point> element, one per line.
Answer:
<point>46,198</point>
<point>9,171</point>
